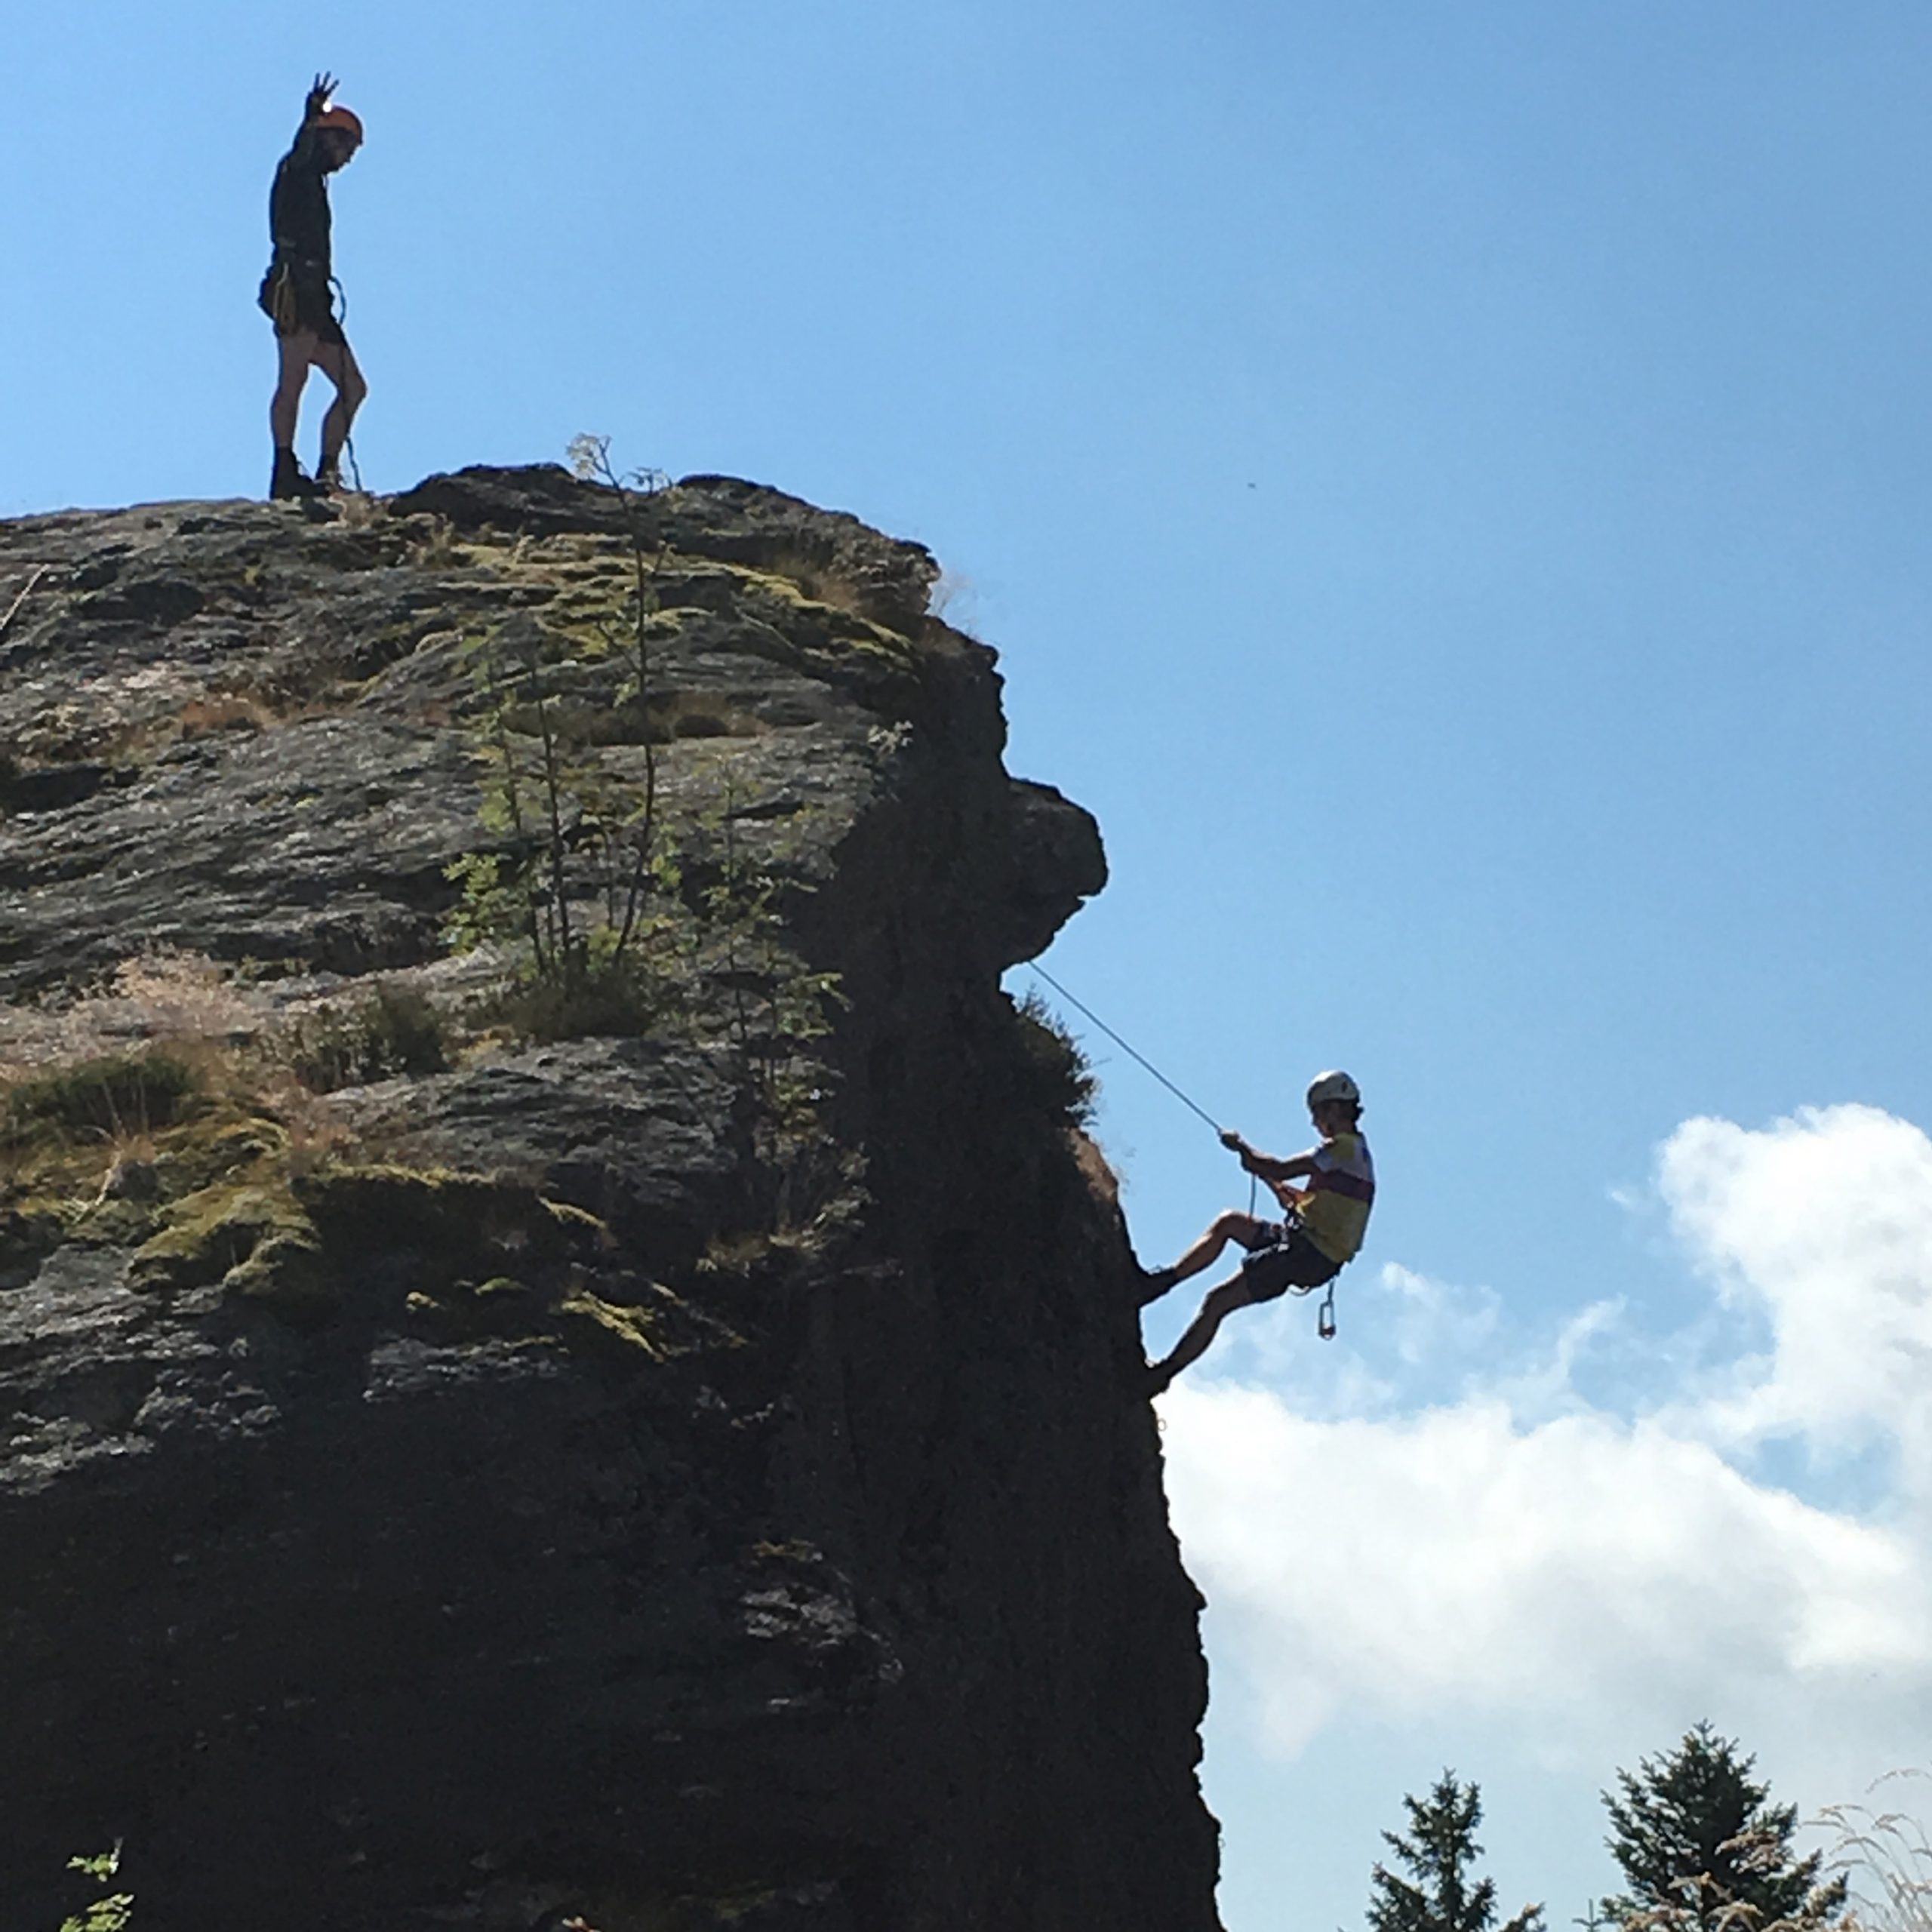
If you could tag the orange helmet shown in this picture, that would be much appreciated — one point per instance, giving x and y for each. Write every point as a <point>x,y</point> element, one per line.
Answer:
<point>346,118</point>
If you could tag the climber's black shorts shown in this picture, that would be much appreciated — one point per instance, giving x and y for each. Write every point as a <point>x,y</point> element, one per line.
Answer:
<point>1280,1258</point>
<point>297,303</point>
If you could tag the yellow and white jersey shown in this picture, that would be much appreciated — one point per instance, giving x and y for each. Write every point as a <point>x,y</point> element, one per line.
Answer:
<point>1334,1209</point>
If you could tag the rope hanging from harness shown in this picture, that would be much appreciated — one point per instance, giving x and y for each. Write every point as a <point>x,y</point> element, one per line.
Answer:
<point>340,304</point>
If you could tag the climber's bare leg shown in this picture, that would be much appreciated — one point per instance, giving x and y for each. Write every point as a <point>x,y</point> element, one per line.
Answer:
<point>337,361</point>
<point>1232,1226</point>
<point>298,351</point>
<point>1219,1303</point>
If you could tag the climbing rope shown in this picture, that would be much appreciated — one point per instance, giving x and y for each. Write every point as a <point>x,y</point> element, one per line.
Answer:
<point>13,608</point>
<point>1034,966</point>
<point>1325,1320</point>
<point>342,323</point>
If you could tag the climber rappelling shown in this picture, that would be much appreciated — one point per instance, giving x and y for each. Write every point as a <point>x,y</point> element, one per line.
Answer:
<point>1320,1233</point>
<point>297,297</point>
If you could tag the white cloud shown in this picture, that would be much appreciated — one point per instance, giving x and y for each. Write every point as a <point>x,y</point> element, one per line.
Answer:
<point>1428,1329</point>
<point>1515,1553</point>
<point>1431,1316</point>
<point>1821,1225</point>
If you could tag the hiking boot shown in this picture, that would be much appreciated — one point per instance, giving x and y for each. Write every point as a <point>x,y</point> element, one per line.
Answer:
<point>328,477</point>
<point>1154,1282</point>
<point>287,484</point>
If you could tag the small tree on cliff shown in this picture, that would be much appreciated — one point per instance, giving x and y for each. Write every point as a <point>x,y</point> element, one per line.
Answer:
<point>1437,1852</point>
<point>1701,1850</point>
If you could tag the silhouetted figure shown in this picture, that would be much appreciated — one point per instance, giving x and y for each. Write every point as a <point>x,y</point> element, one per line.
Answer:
<point>1321,1229</point>
<point>296,294</point>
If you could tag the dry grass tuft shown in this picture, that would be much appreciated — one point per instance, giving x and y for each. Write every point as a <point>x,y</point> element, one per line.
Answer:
<point>315,1135</point>
<point>185,996</point>
<point>175,1078</point>
<point>954,600</point>
<point>437,547</point>
<point>394,1030</point>
<point>1887,1854</point>
<point>817,579</point>
<point>93,1082</point>
<point>239,708</point>
<point>225,711</point>
<point>165,995</point>
<point>361,510</point>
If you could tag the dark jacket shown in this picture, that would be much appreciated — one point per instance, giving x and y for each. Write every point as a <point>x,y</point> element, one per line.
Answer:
<point>299,209</point>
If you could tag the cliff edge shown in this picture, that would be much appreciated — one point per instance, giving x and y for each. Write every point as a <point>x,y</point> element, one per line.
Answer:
<point>562,1349</point>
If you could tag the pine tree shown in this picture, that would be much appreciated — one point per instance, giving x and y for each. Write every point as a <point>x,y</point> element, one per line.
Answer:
<point>1437,1853</point>
<point>1701,1847</point>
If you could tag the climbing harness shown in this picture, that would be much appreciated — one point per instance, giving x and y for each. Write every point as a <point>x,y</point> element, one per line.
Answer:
<point>1325,1320</point>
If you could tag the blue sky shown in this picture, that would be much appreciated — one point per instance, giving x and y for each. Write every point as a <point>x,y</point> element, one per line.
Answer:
<point>1450,486</point>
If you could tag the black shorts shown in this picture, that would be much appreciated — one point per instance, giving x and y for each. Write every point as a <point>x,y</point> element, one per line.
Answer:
<point>1280,1257</point>
<point>298,304</point>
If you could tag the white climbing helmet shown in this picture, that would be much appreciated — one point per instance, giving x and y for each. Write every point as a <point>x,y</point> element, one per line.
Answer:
<point>1333,1087</point>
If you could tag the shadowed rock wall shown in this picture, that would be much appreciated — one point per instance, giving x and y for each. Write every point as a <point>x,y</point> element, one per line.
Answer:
<point>466,1497</point>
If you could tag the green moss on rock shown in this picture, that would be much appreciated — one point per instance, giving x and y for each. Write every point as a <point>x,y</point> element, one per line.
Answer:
<point>211,1149</point>
<point>113,1224</point>
<point>287,1272</point>
<point>636,1328</point>
<point>460,1217</point>
<point>207,1235</point>
<point>661,1327</point>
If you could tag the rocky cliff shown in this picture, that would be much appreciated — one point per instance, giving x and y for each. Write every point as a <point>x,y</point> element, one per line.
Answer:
<point>500,1420</point>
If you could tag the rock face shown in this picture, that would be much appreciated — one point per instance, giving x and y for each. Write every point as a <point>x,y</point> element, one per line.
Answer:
<point>682,1470</point>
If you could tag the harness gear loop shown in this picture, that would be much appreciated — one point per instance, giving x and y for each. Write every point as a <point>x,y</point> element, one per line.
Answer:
<point>281,298</point>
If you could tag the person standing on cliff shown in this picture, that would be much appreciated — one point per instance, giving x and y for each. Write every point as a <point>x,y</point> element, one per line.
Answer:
<point>1321,1231</point>
<point>295,293</point>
